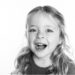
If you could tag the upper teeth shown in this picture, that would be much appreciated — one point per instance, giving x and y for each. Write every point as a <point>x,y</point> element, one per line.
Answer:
<point>39,44</point>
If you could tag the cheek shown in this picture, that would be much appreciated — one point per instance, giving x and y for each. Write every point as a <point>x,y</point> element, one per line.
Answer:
<point>53,42</point>
<point>31,37</point>
<point>54,38</point>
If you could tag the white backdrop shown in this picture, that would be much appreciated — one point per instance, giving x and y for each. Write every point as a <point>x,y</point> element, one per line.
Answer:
<point>12,27</point>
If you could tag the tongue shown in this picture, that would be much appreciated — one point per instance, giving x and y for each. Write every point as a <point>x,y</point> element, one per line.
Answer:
<point>40,47</point>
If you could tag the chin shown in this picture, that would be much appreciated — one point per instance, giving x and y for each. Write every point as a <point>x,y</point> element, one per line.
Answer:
<point>40,55</point>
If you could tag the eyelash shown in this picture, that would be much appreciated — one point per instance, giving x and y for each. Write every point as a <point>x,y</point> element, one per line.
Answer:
<point>49,30</point>
<point>33,30</point>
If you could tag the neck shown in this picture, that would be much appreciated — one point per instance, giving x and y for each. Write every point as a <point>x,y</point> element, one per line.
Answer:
<point>43,61</point>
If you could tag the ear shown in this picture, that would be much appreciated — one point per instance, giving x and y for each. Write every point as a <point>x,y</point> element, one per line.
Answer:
<point>26,34</point>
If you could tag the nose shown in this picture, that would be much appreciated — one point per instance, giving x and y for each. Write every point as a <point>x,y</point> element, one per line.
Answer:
<point>40,35</point>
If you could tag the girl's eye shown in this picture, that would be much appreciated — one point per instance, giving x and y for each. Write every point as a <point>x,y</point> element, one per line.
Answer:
<point>49,30</point>
<point>32,30</point>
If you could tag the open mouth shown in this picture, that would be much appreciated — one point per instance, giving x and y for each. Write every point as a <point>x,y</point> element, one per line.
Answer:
<point>40,46</point>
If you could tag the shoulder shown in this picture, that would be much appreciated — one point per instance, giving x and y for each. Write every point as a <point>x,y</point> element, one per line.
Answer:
<point>71,69</point>
<point>16,73</point>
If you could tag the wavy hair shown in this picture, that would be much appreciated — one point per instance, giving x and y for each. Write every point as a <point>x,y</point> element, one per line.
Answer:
<point>58,57</point>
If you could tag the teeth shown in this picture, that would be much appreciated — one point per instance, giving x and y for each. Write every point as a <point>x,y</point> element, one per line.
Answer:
<point>39,43</point>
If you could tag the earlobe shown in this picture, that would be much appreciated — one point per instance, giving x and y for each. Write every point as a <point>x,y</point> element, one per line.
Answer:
<point>60,41</point>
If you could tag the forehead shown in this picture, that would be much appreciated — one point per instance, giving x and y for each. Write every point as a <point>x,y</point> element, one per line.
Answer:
<point>42,19</point>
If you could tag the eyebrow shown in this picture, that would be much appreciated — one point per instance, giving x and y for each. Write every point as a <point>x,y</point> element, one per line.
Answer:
<point>32,25</point>
<point>35,25</point>
<point>50,26</point>
<point>45,26</point>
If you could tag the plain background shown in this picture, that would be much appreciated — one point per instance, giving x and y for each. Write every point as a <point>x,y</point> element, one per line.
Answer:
<point>12,27</point>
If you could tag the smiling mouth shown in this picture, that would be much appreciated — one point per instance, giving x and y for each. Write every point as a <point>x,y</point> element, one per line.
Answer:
<point>40,46</point>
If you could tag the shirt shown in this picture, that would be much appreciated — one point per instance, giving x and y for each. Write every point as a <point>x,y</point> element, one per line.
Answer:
<point>34,69</point>
<point>71,70</point>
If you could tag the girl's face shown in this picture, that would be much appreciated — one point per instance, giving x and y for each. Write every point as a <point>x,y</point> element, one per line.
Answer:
<point>43,34</point>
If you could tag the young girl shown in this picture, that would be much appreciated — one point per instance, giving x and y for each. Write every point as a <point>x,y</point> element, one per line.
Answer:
<point>44,54</point>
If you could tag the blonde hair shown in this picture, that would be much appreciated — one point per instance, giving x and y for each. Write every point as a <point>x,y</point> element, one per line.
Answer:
<point>59,59</point>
